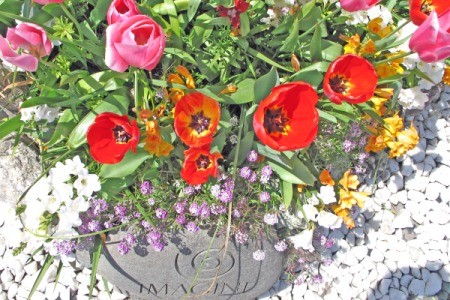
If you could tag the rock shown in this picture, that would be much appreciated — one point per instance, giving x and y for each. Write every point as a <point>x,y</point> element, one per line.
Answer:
<point>31,268</point>
<point>395,183</point>
<point>395,294</point>
<point>418,153</point>
<point>439,216</point>
<point>384,286</point>
<point>425,274</point>
<point>406,280</point>
<point>434,265</point>
<point>359,252</point>
<point>445,273</point>
<point>376,255</point>
<point>299,290</point>
<point>6,276</point>
<point>441,175</point>
<point>402,220</point>
<point>416,182</point>
<point>433,285</point>
<point>433,190</point>
<point>417,287</point>
<point>12,291</point>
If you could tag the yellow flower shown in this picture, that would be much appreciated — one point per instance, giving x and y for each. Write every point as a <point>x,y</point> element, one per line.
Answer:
<point>367,48</point>
<point>154,143</point>
<point>375,144</point>
<point>344,214</point>
<point>405,140</point>
<point>349,181</point>
<point>385,93</point>
<point>378,105</point>
<point>325,178</point>
<point>349,198</point>
<point>377,28</point>
<point>353,43</point>
<point>446,77</point>
<point>390,68</point>
<point>300,187</point>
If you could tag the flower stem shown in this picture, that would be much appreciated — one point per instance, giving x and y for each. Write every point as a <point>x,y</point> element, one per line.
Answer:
<point>392,58</point>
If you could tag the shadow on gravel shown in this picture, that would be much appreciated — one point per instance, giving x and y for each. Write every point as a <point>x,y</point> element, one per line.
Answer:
<point>413,283</point>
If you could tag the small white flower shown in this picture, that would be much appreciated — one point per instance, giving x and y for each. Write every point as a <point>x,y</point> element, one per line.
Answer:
<point>327,194</point>
<point>259,255</point>
<point>44,112</point>
<point>233,139</point>
<point>69,215</point>
<point>310,212</point>
<point>435,71</point>
<point>74,165</point>
<point>234,121</point>
<point>86,184</point>
<point>38,191</point>
<point>303,240</point>
<point>380,11</point>
<point>32,215</point>
<point>63,192</point>
<point>313,200</point>
<point>60,173</point>
<point>412,98</point>
<point>329,220</point>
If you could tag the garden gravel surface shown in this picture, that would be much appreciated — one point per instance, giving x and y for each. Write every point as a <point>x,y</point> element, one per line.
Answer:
<point>399,249</point>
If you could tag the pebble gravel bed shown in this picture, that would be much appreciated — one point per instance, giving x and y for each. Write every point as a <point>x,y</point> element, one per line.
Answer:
<point>399,249</point>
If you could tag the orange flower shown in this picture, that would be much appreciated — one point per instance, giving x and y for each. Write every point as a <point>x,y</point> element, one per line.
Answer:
<point>446,77</point>
<point>196,119</point>
<point>182,76</point>
<point>350,78</point>
<point>405,141</point>
<point>300,187</point>
<point>199,164</point>
<point>344,214</point>
<point>377,28</point>
<point>325,178</point>
<point>349,181</point>
<point>391,68</point>
<point>349,198</point>
<point>154,143</point>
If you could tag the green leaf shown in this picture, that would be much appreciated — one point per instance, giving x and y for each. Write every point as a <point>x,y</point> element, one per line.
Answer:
<point>244,93</point>
<point>181,54</point>
<point>245,146</point>
<point>66,123</point>
<point>292,39</point>
<point>116,102</point>
<point>73,77</point>
<point>50,101</point>
<point>10,125</point>
<point>98,14</point>
<point>288,193</point>
<point>316,45</point>
<point>58,273</point>
<point>47,263</point>
<point>298,173</point>
<point>244,27</point>
<point>218,142</point>
<point>327,116</point>
<point>192,8</point>
<point>95,260</point>
<point>264,84</point>
<point>312,77</point>
<point>113,186</point>
<point>307,8</point>
<point>128,165</point>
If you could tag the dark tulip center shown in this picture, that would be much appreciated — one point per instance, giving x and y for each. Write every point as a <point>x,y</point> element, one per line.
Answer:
<point>203,162</point>
<point>141,35</point>
<point>338,84</point>
<point>426,7</point>
<point>120,135</point>
<point>200,122</point>
<point>121,7</point>
<point>275,121</point>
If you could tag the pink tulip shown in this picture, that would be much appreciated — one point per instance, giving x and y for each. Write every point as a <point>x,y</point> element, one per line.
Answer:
<point>24,61</point>
<point>120,10</point>
<point>138,41</point>
<point>31,38</point>
<point>44,2</point>
<point>431,40</point>
<point>355,5</point>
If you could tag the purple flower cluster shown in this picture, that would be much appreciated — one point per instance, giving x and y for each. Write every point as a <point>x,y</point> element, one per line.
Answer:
<point>270,219</point>
<point>161,213</point>
<point>266,172</point>
<point>126,243</point>
<point>264,197</point>
<point>252,156</point>
<point>348,146</point>
<point>146,188</point>
<point>65,247</point>
<point>98,206</point>
<point>189,190</point>
<point>241,236</point>
<point>259,255</point>
<point>155,238</point>
<point>192,227</point>
<point>280,246</point>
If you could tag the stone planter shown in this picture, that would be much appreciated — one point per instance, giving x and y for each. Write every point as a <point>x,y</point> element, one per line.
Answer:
<point>169,274</point>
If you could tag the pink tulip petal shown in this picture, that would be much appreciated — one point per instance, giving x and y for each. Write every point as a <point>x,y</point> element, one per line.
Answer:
<point>24,61</point>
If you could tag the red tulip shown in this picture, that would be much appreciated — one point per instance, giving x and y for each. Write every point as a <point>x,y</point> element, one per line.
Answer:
<point>111,136</point>
<point>233,13</point>
<point>419,10</point>
<point>287,119</point>
<point>350,78</point>
<point>199,164</point>
<point>431,40</point>
<point>355,5</point>
<point>196,119</point>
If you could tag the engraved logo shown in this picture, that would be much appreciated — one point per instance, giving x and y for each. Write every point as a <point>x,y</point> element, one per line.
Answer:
<point>187,266</point>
